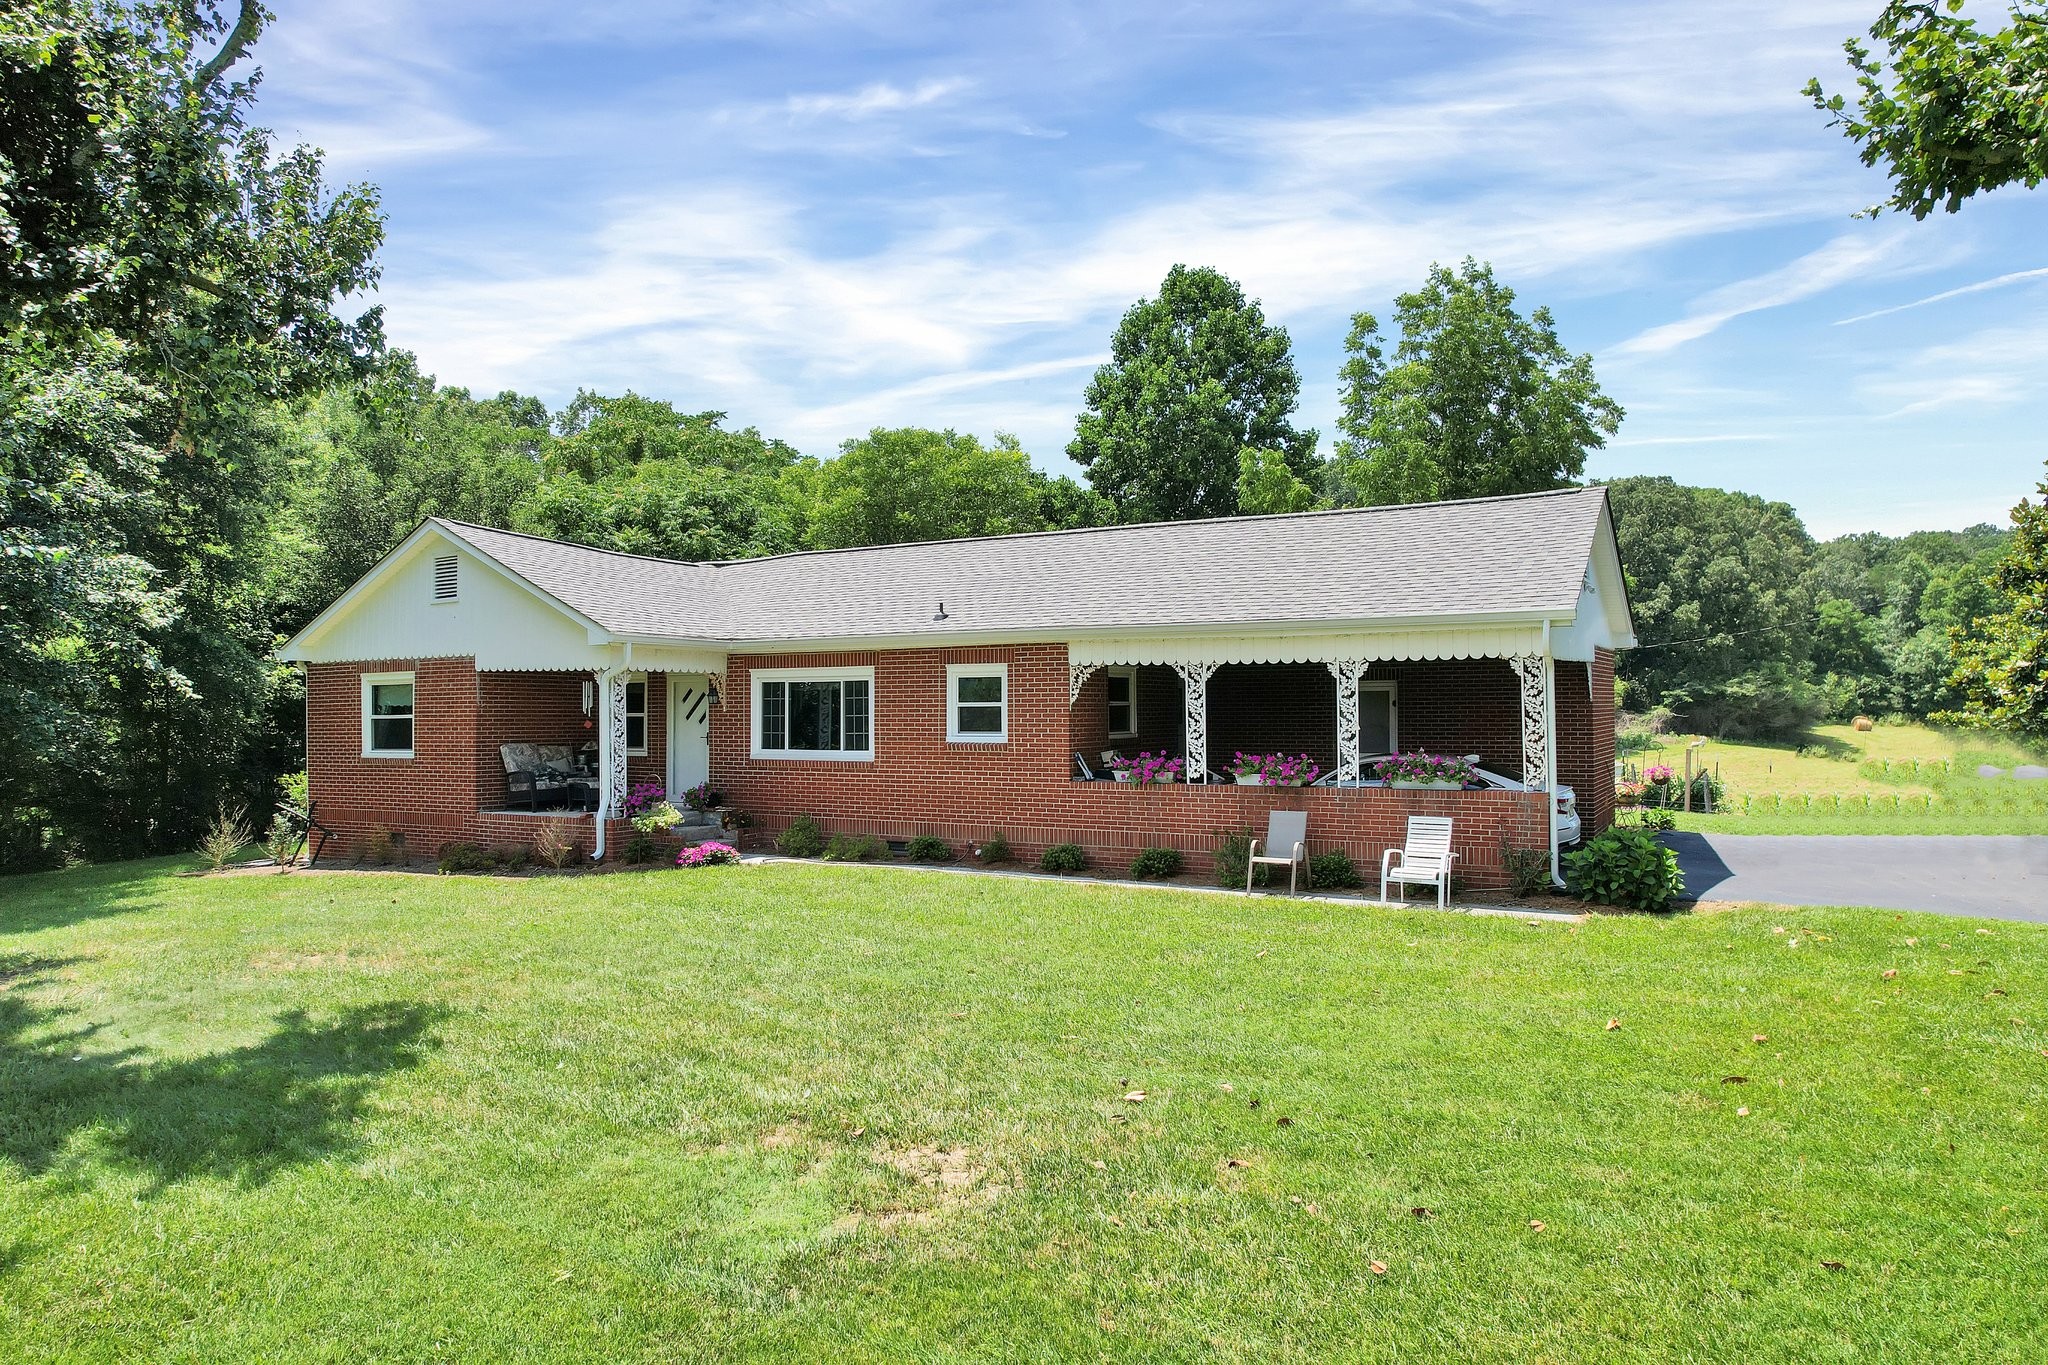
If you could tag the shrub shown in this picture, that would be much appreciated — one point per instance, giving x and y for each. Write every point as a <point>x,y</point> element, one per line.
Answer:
<point>640,849</point>
<point>512,857</point>
<point>803,839</point>
<point>461,857</point>
<point>1157,862</point>
<point>929,848</point>
<point>281,843</point>
<point>383,847</point>
<point>1333,869</point>
<point>1528,869</point>
<point>1233,855</point>
<point>554,846</point>
<point>994,849</point>
<point>708,854</point>
<point>227,835</point>
<point>855,848</point>
<point>1063,858</point>
<point>1653,818</point>
<point>1625,867</point>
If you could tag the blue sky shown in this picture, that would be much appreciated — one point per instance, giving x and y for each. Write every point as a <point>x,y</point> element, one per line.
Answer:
<point>826,217</point>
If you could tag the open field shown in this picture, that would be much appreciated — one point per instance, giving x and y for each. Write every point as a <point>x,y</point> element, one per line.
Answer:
<point>1895,779</point>
<point>791,1112</point>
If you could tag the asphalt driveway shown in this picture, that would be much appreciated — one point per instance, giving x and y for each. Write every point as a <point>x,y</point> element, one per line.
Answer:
<point>2000,876</point>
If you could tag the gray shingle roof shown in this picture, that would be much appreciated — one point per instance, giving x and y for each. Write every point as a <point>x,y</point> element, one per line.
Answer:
<point>1522,554</point>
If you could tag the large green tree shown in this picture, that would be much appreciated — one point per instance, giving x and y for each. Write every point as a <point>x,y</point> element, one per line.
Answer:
<point>169,277</point>
<point>1722,606</point>
<point>1477,399</point>
<point>2001,660</point>
<point>1194,377</point>
<point>909,483</point>
<point>1951,109</point>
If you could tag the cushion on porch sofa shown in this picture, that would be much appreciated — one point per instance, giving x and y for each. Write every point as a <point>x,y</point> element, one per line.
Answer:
<point>552,759</point>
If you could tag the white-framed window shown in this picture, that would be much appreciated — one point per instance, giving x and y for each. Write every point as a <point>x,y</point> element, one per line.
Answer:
<point>387,715</point>
<point>1123,701</point>
<point>978,703</point>
<point>636,714</point>
<point>814,713</point>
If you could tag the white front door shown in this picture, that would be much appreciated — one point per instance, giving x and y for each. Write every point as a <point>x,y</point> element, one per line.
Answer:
<point>689,731</point>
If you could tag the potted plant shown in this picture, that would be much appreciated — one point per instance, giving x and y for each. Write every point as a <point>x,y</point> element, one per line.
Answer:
<point>648,807</point>
<point>1274,770</point>
<point>1146,770</point>
<point>1421,771</point>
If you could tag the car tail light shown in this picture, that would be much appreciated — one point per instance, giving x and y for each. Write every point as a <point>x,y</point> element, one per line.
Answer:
<point>1564,805</point>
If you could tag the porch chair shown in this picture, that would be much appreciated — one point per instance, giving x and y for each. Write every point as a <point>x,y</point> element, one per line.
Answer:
<point>1425,859</point>
<point>1286,829</point>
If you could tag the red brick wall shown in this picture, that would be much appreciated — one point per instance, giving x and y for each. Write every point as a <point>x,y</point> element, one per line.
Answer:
<point>918,782</point>
<point>429,798</point>
<point>1585,729</point>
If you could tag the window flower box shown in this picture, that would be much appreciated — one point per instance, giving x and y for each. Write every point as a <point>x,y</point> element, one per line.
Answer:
<point>1421,771</point>
<point>1274,770</point>
<point>1146,770</point>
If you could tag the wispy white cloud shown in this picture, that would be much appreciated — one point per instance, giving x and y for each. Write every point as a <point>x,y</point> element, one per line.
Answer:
<point>1981,286</point>
<point>882,97</point>
<point>1844,260</point>
<point>1992,367</point>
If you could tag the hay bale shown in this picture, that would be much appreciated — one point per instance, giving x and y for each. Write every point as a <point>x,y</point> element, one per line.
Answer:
<point>1862,723</point>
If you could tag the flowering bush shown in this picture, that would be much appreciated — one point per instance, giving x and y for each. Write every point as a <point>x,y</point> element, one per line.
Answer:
<point>701,798</point>
<point>707,855</point>
<point>1276,770</point>
<point>1426,767</point>
<point>647,806</point>
<point>1146,769</point>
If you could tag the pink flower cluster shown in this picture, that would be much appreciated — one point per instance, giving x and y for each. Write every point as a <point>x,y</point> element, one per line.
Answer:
<point>1148,768</point>
<point>707,855</point>
<point>1276,770</point>
<point>644,796</point>
<point>1657,774</point>
<point>1425,767</point>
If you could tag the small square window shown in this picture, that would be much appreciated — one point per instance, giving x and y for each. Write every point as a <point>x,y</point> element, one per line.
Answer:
<point>977,703</point>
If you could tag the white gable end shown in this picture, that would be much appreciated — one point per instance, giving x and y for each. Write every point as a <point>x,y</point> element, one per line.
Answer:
<point>406,609</point>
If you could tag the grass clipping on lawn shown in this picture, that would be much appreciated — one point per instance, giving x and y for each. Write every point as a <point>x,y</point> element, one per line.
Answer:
<point>796,1111</point>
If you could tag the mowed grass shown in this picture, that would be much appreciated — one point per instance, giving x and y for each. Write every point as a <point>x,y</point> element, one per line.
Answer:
<point>790,1112</point>
<point>1894,779</point>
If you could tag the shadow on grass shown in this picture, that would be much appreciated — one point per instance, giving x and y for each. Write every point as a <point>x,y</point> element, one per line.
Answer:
<point>50,900</point>
<point>242,1115</point>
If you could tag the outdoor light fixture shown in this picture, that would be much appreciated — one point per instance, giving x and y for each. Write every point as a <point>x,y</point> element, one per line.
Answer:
<point>711,689</point>
<point>941,614</point>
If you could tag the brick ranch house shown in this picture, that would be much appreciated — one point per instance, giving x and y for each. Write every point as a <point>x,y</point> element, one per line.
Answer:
<point>956,687</point>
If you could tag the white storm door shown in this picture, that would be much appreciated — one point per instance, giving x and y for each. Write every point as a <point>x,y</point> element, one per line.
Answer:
<point>689,731</point>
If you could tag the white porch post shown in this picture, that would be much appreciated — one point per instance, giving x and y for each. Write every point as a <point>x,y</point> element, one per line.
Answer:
<point>1350,756</point>
<point>1538,674</point>
<point>611,741</point>
<point>1195,684</point>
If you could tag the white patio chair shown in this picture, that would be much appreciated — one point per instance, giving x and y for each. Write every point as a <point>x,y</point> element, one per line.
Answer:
<point>1285,829</point>
<point>1426,859</point>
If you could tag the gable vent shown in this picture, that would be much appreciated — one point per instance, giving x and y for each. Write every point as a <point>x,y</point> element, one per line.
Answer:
<point>444,579</point>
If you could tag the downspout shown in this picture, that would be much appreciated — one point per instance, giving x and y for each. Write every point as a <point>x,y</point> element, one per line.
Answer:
<point>605,756</point>
<point>1550,755</point>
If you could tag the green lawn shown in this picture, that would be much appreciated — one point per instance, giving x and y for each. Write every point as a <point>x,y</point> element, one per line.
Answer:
<point>791,1112</point>
<point>1894,779</point>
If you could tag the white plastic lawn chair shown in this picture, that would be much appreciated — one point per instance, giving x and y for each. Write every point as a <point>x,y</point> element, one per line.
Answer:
<point>1285,829</point>
<point>1426,859</point>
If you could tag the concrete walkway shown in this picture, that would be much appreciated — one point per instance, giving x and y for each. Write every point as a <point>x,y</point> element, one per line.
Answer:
<point>1999,876</point>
